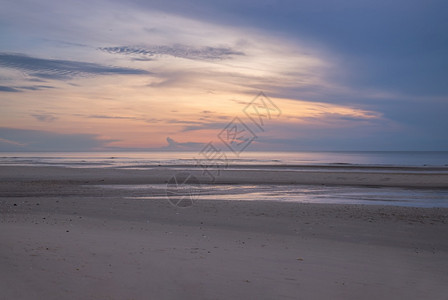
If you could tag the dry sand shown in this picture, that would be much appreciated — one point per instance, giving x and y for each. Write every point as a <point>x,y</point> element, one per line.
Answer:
<point>63,237</point>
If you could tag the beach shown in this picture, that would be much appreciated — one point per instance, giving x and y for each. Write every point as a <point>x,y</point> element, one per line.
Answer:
<point>66,235</point>
<point>223,150</point>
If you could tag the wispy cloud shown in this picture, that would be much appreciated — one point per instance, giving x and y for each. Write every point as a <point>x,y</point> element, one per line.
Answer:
<point>17,89</point>
<point>10,142</point>
<point>113,117</point>
<point>205,126</point>
<point>177,50</point>
<point>44,117</point>
<point>36,87</point>
<point>61,69</point>
<point>142,118</point>
<point>14,139</point>
<point>8,89</point>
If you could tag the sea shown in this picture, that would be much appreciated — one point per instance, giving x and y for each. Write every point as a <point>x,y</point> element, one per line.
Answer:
<point>287,193</point>
<point>149,159</point>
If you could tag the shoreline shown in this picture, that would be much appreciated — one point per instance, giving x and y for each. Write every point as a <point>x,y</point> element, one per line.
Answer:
<point>401,178</point>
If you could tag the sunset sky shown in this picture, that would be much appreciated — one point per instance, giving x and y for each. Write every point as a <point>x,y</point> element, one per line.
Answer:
<point>171,75</point>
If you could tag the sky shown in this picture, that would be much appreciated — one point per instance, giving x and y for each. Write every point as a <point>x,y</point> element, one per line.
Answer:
<point>112,75</point>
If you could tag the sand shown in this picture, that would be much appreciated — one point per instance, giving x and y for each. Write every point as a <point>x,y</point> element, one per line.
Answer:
<point>62,236</point>
<point>415,177</point>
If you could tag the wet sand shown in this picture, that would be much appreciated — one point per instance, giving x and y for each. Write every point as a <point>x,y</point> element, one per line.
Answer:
<point>415,177</point>
<point>64,237</point>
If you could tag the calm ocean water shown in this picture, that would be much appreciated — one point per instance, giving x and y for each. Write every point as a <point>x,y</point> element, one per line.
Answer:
<point>295,193</point>
<point>142,159</point>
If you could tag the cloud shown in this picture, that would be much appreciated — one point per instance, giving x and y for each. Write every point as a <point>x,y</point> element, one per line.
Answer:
<point>181,122</point>
<point>177,50</point>
<point>18,89</point>
<point>9,142</point>
<point>126,50</point>
<point>182,146</point>
<point>14,139</point>
<point>44,117</point>
<point>35,80</point>
<point>112,117</point>
<point>397,46</point>
<point>8,89</point>
<point>378,56</point>
<point>36,87</point>
<point>61,69</point>
<point>206,126</point>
